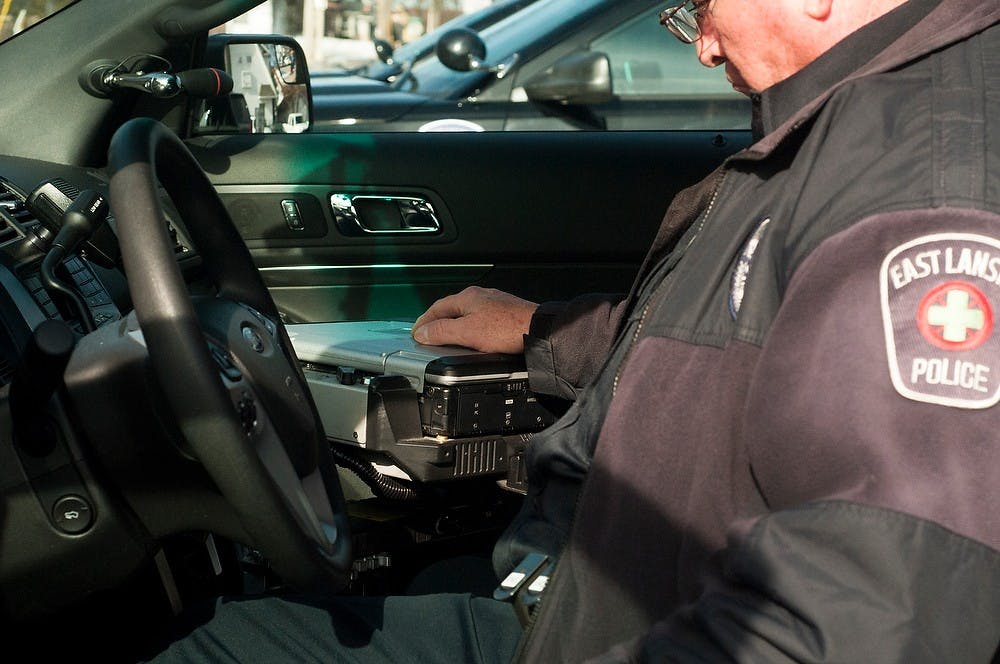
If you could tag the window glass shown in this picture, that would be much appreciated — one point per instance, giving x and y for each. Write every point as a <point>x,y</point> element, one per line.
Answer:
<point>373,66</point>
<point>647,61</point>
<point>19,15</point>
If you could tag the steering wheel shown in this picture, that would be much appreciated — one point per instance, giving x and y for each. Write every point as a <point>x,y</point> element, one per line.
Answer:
<point>225,364</point>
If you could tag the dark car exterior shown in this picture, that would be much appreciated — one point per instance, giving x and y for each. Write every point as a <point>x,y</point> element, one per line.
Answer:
<point>393,62</point>
<point>654,84</point>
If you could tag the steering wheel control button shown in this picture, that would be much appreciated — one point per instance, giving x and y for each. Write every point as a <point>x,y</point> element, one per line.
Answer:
<point>247,410</point>
<point>271,328</point>
<point>226,365</point>
<point>253,339</point>
<point>72,514</point>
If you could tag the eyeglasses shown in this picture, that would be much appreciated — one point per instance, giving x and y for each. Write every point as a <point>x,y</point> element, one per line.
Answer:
<point>681,20</point>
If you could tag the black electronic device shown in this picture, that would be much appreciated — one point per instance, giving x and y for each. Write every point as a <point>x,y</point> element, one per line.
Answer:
<point>103,78</point>
<point>424,413</point>
<point>49,202</point>
<point>70,219</point>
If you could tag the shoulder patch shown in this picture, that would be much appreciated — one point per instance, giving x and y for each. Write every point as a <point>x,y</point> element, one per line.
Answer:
<point>939,296</point>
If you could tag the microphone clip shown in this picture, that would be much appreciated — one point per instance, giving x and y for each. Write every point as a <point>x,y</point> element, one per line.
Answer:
<point>102,78</point>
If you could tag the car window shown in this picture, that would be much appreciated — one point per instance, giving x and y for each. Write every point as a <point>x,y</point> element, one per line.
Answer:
<point>19,15</point>
<point>527,34</point>
<point>513,76</point>
<point>422,47</point>
<point>646,61</point>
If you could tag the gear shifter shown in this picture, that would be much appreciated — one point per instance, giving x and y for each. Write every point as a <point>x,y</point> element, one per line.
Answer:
<point>80,220</point>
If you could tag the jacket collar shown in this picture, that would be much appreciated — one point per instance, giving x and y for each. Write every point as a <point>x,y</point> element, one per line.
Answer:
<point>786,106</point>
<point>782,100</point>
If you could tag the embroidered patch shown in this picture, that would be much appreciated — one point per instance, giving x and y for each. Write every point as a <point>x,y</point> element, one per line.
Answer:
<point>938,301</point>
<point>738,283</point>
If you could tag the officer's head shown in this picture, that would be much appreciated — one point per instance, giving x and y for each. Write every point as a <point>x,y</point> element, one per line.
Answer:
<point>762,42</point>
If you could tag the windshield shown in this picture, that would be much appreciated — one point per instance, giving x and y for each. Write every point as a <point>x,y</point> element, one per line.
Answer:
<point>19,15</point>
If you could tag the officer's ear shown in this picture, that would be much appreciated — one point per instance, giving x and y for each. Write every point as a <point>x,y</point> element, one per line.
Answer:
<point>818,10</point>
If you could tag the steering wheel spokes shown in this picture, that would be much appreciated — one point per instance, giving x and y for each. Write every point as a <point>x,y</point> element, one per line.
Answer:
<point>224,362</point>
<point>259,375</point>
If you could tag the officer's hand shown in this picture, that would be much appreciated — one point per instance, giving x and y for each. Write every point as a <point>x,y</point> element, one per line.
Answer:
<point>485,319</point>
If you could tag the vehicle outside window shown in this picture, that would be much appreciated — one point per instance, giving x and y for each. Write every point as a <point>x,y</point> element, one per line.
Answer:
<point>544,65</point>
<point>390,61</point>
<point>19,15</point>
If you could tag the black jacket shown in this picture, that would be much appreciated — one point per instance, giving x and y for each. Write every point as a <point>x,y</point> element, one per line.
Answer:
<point>788,440</point>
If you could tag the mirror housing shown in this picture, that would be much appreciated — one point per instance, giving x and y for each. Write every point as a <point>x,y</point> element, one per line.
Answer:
<point>461,49</point>
<point>577,79</point>
<point>384,51</point>
<point>271,87</point>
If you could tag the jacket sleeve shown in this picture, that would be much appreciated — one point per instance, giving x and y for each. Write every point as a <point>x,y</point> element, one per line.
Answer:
<point>841,582</point>
<point>871,427</point>
<point>569,341</point>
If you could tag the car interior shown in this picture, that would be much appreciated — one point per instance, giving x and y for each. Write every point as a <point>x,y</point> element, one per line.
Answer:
<point>208,382</point>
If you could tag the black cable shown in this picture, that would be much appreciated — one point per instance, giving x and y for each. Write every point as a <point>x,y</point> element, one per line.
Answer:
<point>133,62</point>
<point>382,485</point>
<point>47,274</point>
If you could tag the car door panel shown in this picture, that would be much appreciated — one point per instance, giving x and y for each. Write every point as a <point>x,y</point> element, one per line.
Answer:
<point>543,215</point>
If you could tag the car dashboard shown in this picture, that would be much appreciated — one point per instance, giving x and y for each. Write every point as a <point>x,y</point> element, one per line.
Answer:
<point>33,199</point>
<point>81,518</point>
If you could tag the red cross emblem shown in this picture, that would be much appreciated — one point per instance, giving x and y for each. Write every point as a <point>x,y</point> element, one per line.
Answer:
<point>955,316</point>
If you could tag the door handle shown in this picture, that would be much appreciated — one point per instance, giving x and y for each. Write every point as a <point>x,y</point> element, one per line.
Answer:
<point>372,214</point>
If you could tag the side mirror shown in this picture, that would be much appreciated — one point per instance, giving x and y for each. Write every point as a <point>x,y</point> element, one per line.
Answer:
<point>463,49</point>
<point>384,51</point>
<point>271,88</point>
<point>577,79</point>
